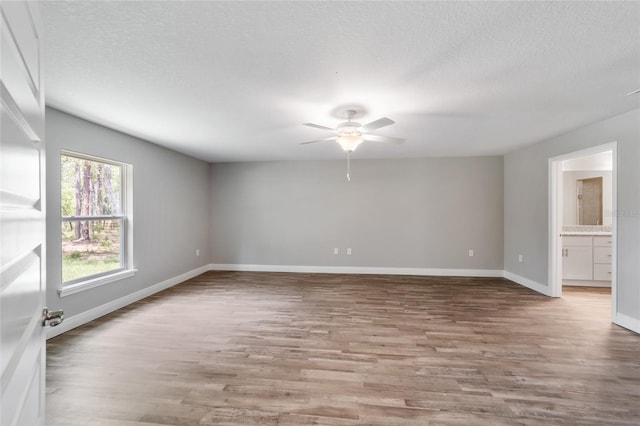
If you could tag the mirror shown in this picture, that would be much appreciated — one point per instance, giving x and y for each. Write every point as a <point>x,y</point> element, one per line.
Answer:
<point>589,201</point>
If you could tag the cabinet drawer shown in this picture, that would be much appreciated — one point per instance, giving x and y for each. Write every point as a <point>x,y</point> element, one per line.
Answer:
<point>573,241</point>
<point>601,255</point>
<point>602,272</point>
<point>601,241</point>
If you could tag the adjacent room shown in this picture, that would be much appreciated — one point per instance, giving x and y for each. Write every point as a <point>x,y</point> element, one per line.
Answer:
<point>336,213</point>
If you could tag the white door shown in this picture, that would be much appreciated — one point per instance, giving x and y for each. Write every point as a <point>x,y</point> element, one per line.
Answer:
<point>22,217</point>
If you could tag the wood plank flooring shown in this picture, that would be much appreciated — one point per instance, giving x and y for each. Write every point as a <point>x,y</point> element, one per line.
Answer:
<point>238,348</point>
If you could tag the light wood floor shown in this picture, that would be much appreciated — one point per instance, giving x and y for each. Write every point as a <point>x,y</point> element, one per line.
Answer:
<point>297,349</point>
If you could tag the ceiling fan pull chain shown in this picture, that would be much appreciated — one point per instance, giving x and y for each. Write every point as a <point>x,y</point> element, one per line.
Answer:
<point>348,166</point>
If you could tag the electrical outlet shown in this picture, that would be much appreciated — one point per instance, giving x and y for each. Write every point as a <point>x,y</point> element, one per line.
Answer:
<point>336,251</point>
<point>471,253</point>
<point>197,252</point>
<point>520,258</point>
<point>348,252</point>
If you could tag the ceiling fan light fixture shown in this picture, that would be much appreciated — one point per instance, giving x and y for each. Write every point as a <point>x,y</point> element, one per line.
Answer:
<point>349,135</point>
<point>349,142</point>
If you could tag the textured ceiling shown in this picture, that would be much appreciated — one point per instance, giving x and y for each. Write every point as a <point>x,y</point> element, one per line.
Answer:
<point>233,81</point>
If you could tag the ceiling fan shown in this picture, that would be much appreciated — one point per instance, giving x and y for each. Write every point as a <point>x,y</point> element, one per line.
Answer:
<point>349,134</point>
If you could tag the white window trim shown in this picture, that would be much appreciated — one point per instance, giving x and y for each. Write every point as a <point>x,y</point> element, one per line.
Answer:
<point>128,269</point>
<point>96,282</point>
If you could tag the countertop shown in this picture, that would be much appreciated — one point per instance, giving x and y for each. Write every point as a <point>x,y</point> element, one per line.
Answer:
<point>585,233</point>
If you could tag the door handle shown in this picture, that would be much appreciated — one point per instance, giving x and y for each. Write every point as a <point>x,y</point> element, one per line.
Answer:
<point>52,318</point>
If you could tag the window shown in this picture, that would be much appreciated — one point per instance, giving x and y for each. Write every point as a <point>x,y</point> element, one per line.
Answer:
<point>95,221</point>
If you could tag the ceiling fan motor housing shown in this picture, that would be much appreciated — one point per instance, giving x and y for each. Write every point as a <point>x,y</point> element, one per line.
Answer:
<point>348,128</point>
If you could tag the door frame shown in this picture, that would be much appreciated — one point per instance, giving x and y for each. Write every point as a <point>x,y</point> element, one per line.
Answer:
<point>555,218</point>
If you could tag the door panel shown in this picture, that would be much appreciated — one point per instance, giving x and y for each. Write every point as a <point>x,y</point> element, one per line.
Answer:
<point>22,218</point>
<point>19,177</point>
<point>32,401</point>
<point>25,38</point>
<point>19,300</point>
<point>17,94</point>
<point>27,371</point>
<point>17,75</point>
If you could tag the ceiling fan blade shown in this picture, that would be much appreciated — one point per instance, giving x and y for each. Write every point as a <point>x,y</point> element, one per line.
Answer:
<point>333,138</point>
<point>381,122</point>
<point>317,126</point>
<point>384,139</point>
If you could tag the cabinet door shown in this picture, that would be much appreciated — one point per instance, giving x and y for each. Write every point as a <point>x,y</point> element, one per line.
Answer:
<point>577,263</point>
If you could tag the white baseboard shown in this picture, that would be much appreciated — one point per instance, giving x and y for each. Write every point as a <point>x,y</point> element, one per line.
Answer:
<point>627,322</point>
<point>528,283</point>
<point>356,270</point>
<point>99,311</point>
<point>585,283</point>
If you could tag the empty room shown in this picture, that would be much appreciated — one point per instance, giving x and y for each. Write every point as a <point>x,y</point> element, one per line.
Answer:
<point>320,212</point>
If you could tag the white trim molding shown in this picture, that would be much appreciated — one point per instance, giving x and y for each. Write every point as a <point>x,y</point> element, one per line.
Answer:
<point>95,282</point>
<point>357,270</point>
<point>627,322</point>
<point>555,219</point>
<point>99,311</point>
<point>535,286</point>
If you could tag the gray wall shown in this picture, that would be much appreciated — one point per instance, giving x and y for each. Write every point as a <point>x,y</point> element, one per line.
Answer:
<point>170,209</point>
<point>418,213</point>
<point>526,203</point>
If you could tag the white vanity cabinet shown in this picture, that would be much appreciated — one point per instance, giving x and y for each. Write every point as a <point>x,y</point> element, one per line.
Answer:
<point>586,260</point>
<point>577,257</point>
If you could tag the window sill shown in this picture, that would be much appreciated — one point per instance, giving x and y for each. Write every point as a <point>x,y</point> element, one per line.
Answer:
<point>96,282</point>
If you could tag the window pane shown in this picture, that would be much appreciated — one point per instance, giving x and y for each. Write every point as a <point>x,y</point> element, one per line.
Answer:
<point>90,247</point>
<point>90,188</point>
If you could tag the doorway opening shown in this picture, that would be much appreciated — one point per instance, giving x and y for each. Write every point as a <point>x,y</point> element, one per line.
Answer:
<point>582,220</point>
